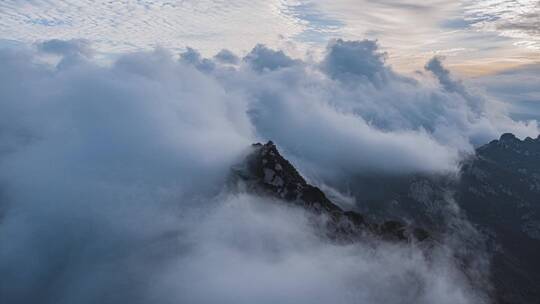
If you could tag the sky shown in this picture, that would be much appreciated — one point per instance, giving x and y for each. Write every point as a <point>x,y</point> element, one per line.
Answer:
<point>120,122</point>
<point>477,37</point>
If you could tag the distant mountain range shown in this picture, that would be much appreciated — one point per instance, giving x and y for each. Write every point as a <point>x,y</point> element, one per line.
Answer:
<point>489,212</point>
<point>499,190</point>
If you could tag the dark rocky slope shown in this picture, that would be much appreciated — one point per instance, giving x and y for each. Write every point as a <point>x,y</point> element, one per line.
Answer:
<point>497,192</point>
<point>492,206</point>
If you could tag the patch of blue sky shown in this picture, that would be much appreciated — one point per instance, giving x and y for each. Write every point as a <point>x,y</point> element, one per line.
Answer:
<point>47,22</point>
<point>319,26</point>
<point>457,23</point>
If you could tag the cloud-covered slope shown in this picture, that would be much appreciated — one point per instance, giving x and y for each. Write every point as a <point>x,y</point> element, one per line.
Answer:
<point>111,177</point>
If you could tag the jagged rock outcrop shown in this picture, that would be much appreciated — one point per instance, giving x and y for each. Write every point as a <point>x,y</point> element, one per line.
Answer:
<point>266,172</point>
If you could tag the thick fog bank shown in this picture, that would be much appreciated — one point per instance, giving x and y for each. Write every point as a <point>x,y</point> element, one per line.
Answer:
<point>112,177</point>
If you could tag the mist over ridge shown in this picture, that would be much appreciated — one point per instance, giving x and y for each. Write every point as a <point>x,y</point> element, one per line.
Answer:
<point>112,177</point>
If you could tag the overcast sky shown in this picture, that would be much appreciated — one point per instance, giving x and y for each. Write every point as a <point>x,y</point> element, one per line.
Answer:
<point>476,37</point>
<point>120,122</point>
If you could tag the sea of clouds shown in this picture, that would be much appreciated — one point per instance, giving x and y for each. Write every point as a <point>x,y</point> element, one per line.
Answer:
<point>112,175</point>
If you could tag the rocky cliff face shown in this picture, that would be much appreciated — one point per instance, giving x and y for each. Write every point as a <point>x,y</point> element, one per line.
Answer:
<point>499,190</point>
<point>266,172</point>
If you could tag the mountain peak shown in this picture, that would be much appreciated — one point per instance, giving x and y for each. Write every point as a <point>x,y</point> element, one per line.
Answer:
<point>267,172</point>
<point>508,137</point>
<point>508,145</point>
<point>511,138</point>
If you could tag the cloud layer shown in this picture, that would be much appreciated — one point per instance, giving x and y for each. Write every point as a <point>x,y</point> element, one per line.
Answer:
<point>484,33</point>
<point>514,19</point>
<point>111,177</point>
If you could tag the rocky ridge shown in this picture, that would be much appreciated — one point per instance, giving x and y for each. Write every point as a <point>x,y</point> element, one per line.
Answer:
<point>499,189</point>
<point>492,207</point>
<point>266,172</point>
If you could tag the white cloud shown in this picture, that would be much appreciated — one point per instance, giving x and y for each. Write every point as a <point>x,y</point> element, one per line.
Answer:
<point>479,31</point>
<point>110,175</point>
<point>133,25</point>
<point>270,253</point>
<point>519,19</point>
